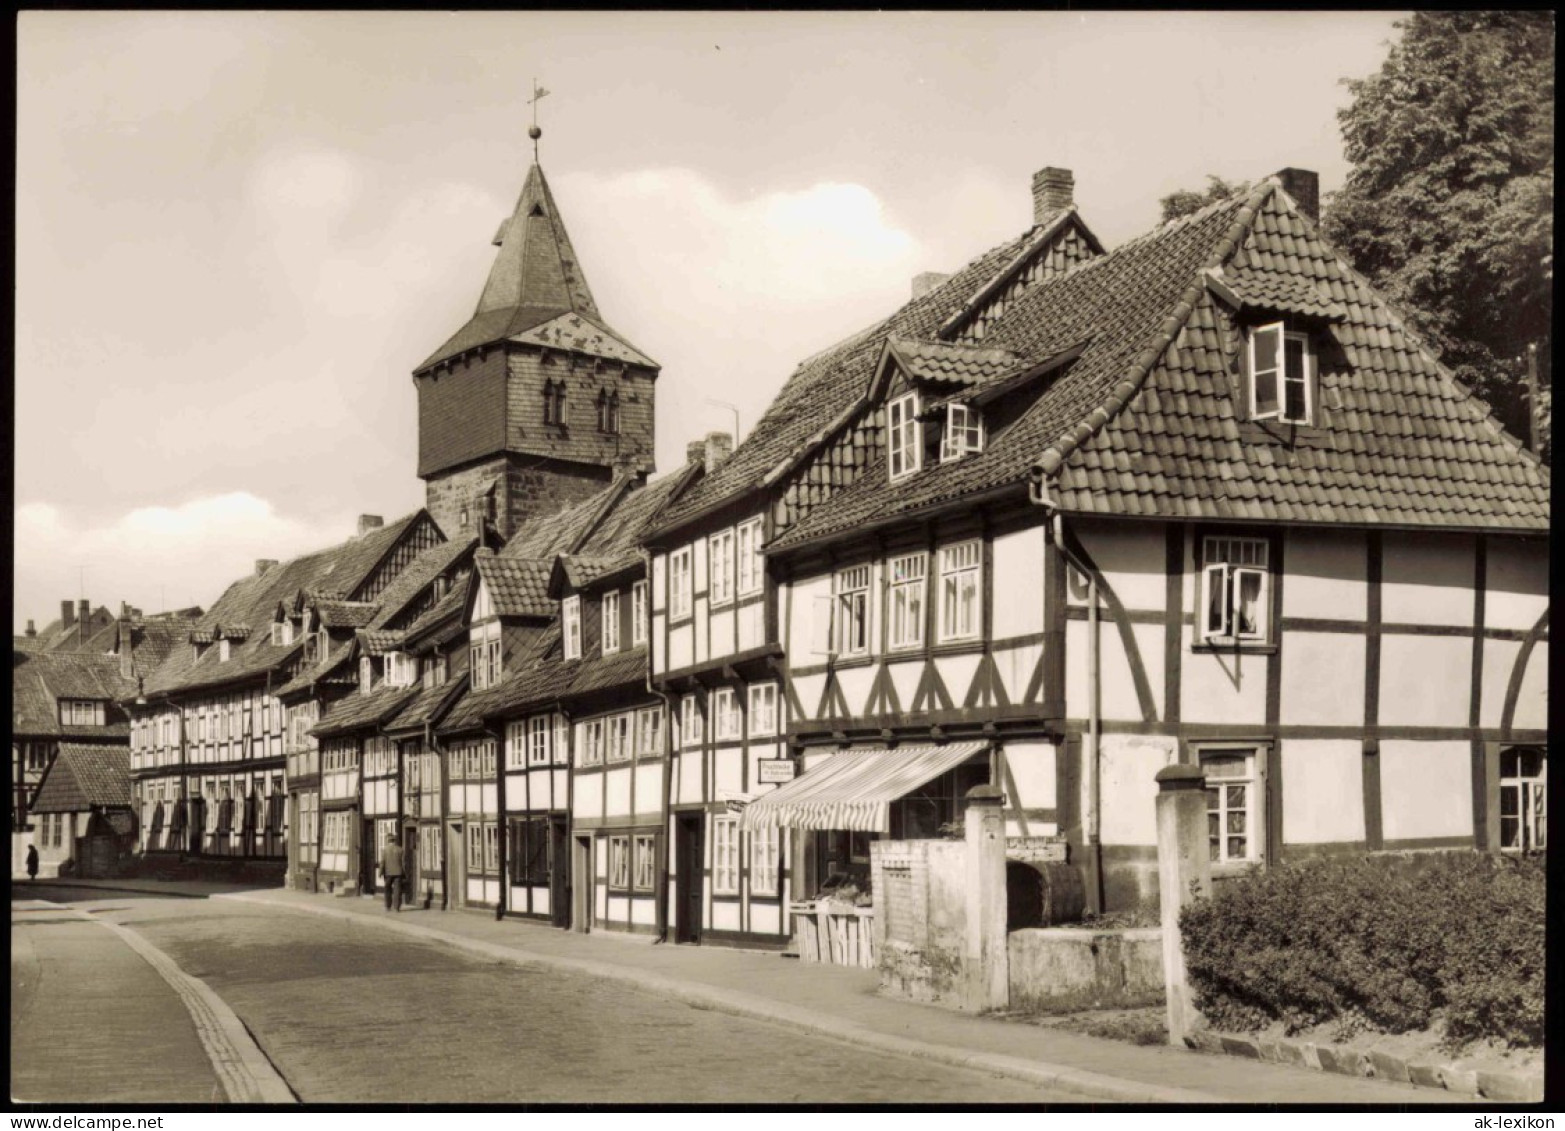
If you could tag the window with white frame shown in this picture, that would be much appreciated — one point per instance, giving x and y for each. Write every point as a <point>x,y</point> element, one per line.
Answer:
<point>610,622</point>
<point>224,650</point>
<point>964,432</point>
<point>81,712</point>
<point>1233,800</point>
<point>591,736</point>
<point>280,633</point>
<point>570,620</point>
<point>763,710</point>
<point>961,591</point>
<point>725,855</point>
<point>491,847</point>
<point>1234,590</point>
<point>638,614</point>
<point>752,567</point>
<point>473,833</point>
<point>366,674</point>
<point>764,860</point>
<point>435,671</point>
<point>720,565</point>
<point>485,654</point>
<point>725,715</point>
<point>619,738</point>
<point>1282,373</point>
<point>1524,801</point>
<point>644,877</point>
<point>401,669</point>
<point>904,453</point>
<point>562,738</point>
<point>516,745</point>
<point>906,579</point>
<point>679,583</point>
<point>619,862</point>
<point>851,587</point>
<point>690,728</point>
<point>649,731</point>
<point>539,733</point>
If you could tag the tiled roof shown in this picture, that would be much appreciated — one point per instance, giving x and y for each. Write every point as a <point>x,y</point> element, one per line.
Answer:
<point>346,614</point>
<point>153,638</point>
<point>355,710</point>
<point>56,636</point>
<point>618,533</point>
<point>379,641</point>
<point>417,576</point>
<point>39,680</point>
<point>428,705</point>
<point>518,587</point>
<point>561,532</point>
<point>582,572</point>
<point>1281,291</point>
<point>954,363</point>
<point>449,606</point>
<point>548,680</point>
<point>333,573</point>
<point>1144,421</point>
<point>83,776</point>
<point>336,655</point>
<point>828,384</point>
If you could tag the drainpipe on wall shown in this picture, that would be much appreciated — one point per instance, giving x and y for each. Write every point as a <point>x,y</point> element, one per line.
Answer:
<point>665,815</point>
<point>1092,808</point>
<point>502,828</point>
<point>440,828</point>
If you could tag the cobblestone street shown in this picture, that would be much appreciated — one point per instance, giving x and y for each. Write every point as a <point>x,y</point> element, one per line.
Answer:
<point>351,1014</point>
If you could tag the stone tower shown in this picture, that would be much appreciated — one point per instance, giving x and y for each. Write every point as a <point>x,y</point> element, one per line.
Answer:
<point>536,402</point>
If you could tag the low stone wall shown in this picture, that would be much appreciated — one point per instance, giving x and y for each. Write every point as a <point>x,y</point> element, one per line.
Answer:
<point>920,917</point>
<point>1058,968</point>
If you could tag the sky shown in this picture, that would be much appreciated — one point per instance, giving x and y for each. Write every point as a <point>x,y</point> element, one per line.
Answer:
<point>238,233</point>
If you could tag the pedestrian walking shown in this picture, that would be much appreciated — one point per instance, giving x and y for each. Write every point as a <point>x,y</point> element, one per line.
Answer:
<point>32,862</point>
<point>391,871</point>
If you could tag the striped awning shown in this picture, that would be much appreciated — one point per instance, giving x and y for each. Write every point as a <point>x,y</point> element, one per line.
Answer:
<point>854,789</point>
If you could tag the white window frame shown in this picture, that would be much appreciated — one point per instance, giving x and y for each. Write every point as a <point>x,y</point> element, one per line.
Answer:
<point>280,633</point>
<point>763,710</point>
<point>484,643</point>
<point>691,729</point>
<point>401,669</point>
<point>224,650</point>
<point>720,567</point>
<point>610,622</point>
<point>592,737</point>
<point>570,626</point>
<point>1224,582</point>
<point>618,862</point>
<point>644,865</point>
<point>964,432</point>
<point>680,582</point>
<point>765,860</point>
<point>907,600</point>
<point>515,748</point>
<point>562,738</point>
<point>1531,800</point>
<point>649,731</point>
<point>1281,376</point>
<point>961,566</point>
<point>850,587</point>
<point>751,563</point>
<point>638,614</point>
<point>366,675</point>
<point>726,723</point>
<point>619,741</point>
<point>725,855</point>
<point>540,734</point>
<point>904,453</point>
<point>1217,789</point>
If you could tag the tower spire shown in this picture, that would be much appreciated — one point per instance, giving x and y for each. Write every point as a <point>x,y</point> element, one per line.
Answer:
<point>533,131</point>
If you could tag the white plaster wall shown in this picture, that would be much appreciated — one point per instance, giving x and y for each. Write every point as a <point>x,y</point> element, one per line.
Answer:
<point>1117,696</point>
<point>516,795</point>
<point>1517,582</point>
<point>1426,789</point>
<point>904,677</point>
<point>1030,770</point>
<point>588,801</point>
<point>702,629</point>
<point>722,630</point>
<point>681,646</point>
<point>801,618</point>
<point>643,912</point>
<point>1322,791</point>
<point>957,672</point>
<point>1427,578</point>
<point>699,578</point>
<point>1322,679</point>
<point>649,788</point>
<point>1128,768</point>
<point>690,778</point>
<point>1499,657</point>
<point>856,684</point>
<point>1222,687</point>
<point>1425,680</point>
<point>616,792</point>
<point>659,590</point>
<point>809,688</point>
<point>490,798</point>
<point>752,626</point>
<point>728,769</point>
<point>1018,583</point>
<point>725,916</point>
<point>1015,667</point>
<point>766,918</point>
<point>1324,575</point>
<point>1130,556</point>
<point>659,643</point>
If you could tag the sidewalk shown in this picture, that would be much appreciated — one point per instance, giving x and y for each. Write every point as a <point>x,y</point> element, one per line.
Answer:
<point>169,889</point>
<point>843,1003</point>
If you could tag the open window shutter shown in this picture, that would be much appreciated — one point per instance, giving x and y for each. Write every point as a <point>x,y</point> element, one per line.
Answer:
<point>820,627</point>
<point>1266,357</point>
<point>1214,597</point>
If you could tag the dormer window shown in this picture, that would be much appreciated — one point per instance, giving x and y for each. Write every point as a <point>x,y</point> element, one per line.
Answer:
<point>904,452</point>
<point>223,650</point>
<point>1282,375</point>
<point>570,622</point>
<point>608,412</point>
<point>401,669</point>
<point>282,633</point>
<point>553,401</point>
<point>435,671</point>
<point>964,432</point>
<point>366,674</point>
<point>610,622</point>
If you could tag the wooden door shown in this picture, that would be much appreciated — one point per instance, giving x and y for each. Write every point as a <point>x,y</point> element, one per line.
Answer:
<point>559,874</point>
<point>581,885</point>
<point>456,867</point>
<point>369,857</point>
<point>689,856</point>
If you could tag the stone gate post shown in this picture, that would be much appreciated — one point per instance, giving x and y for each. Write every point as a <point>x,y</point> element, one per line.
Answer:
<point>1183,875</point>
<point>986,973</point>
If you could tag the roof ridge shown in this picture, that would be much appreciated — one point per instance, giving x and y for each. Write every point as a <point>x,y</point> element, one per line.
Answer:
<point>1036,237</point>
<point>1056,453</point>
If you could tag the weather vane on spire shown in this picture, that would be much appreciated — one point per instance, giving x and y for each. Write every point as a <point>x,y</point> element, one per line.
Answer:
<point>533,131</point>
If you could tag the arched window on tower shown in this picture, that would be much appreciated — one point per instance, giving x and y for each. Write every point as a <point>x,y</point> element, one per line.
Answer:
<point>608,412</point>
<point>553,401</point>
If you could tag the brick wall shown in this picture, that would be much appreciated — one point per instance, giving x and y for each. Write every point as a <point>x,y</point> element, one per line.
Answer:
<point>579,438</point>
<point>461,411</point>
<point>528,487</point>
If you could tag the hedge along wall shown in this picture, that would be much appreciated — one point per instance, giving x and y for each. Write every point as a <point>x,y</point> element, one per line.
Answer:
<point>1389,943</point>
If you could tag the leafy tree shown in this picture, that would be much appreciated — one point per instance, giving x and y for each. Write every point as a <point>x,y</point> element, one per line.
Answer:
<point>1448,205</point>
<point>1185,201</point>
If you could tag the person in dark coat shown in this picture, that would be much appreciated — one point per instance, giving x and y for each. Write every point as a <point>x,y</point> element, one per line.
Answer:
<point>32,862</point>
<point>391,869</point>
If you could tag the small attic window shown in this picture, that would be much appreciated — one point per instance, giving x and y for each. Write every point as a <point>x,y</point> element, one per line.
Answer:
<point>223,650</point>
<point>282,632</point>
<point>904,447</point>
<point>964,432</point>
<point>1282,375</point>
<point>366,674</point>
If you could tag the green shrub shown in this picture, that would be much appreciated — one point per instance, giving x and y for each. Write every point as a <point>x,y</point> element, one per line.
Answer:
<point>1386,942</point>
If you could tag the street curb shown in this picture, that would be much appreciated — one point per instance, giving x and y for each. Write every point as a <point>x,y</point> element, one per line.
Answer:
<point>1092,1085</point>
<point>1346,1060</point>
<point>130,888</point>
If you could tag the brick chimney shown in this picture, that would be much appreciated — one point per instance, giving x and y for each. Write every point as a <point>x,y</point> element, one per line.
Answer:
<point>264,564</point>
<point>84,617</point>
<point>1053,191</point>
<point>31,631</point>
<point>368,522</point>
<point>695,451</point>
<point>719,446</point>
<point>928,281</point>
<point>1304,186</point>
<point>67,614</point>
<point>127,645</point>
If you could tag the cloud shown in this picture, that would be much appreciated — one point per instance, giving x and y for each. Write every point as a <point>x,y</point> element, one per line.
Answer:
<point>155,557</point>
